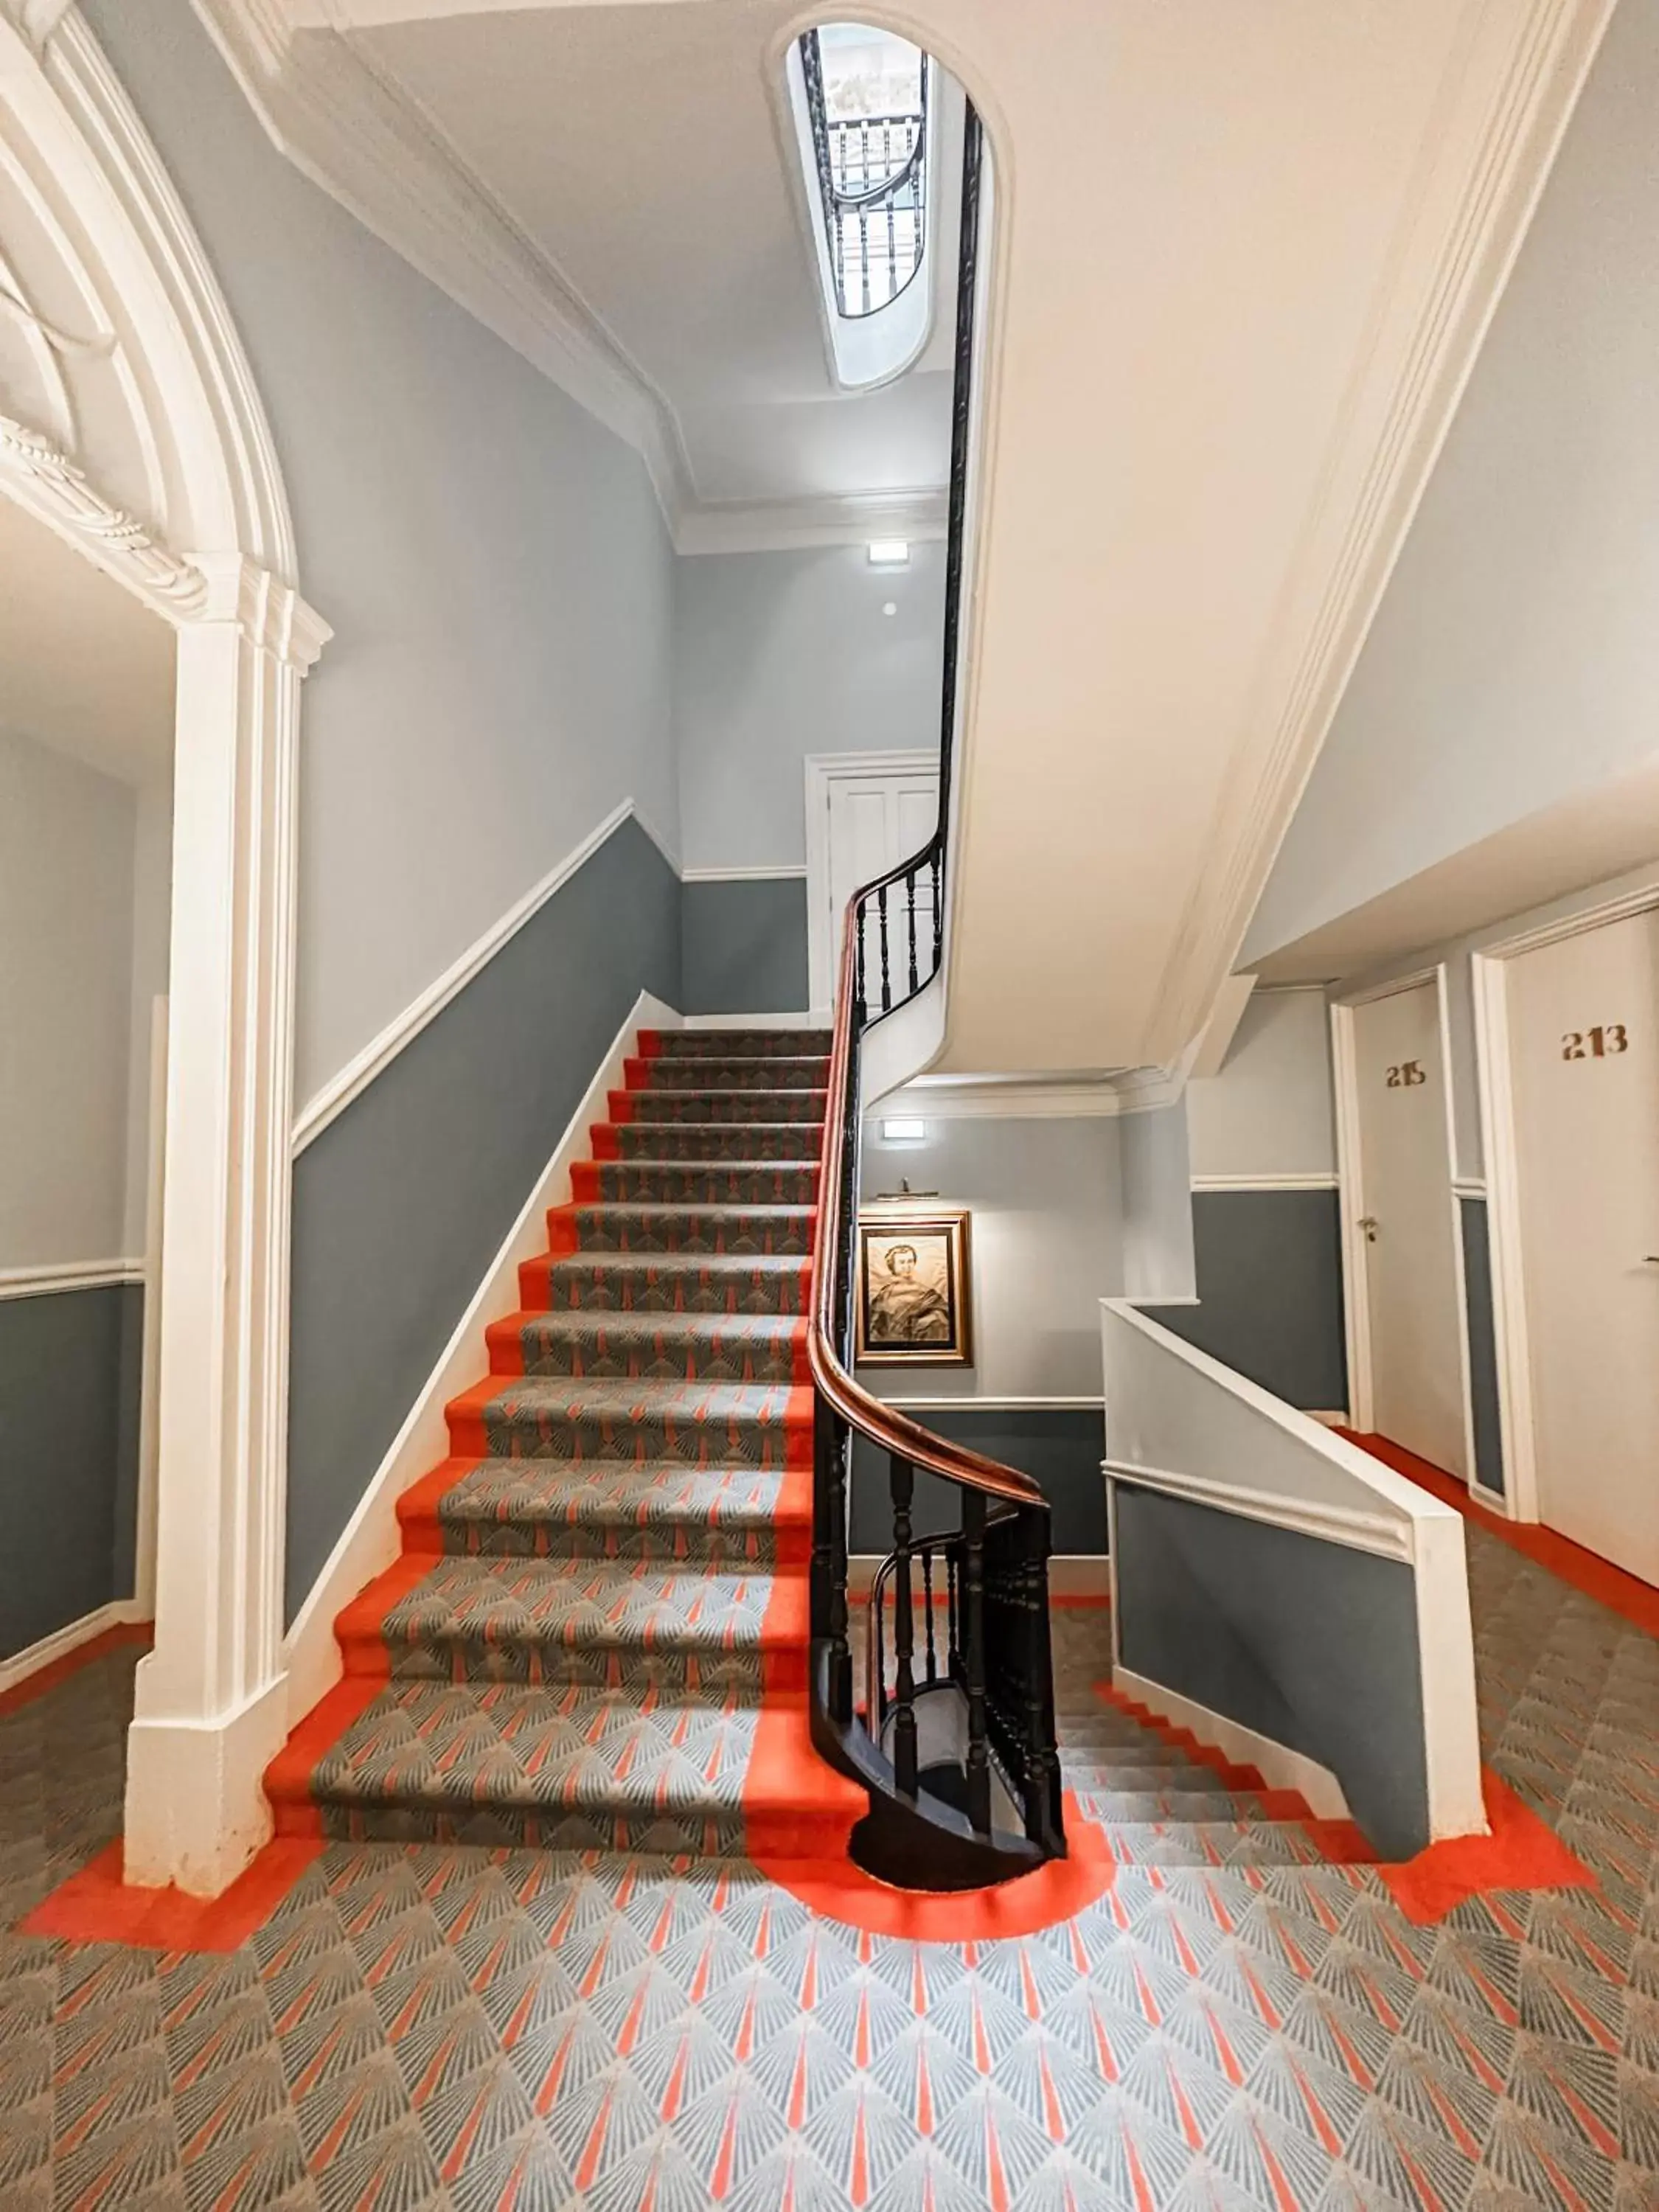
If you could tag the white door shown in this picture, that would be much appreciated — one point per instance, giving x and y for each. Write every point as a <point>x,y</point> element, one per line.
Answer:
<point>1412,1280</point>
<point>870,816</point>
<point>1585,1066</point>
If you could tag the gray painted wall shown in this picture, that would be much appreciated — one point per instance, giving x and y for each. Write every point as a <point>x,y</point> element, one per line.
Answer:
<point>1483,1346</point>
<point>1269,1293</point>
<point>1515,658</point>
<point>744,946</point>
<point>493,561</point>
<point>69,1448</point>
<point>1291,1637</point>
<point>402,1203</point>
<point>1059,1447</point>
<point>780,655</point>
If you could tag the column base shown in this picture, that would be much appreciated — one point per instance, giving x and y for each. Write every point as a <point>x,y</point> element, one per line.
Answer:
<point>196,1807</point>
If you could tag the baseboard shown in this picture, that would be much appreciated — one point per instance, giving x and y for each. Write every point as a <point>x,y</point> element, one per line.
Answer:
<point>1329,1416</point>
<point>1280,1767</point>
<point>121,1612</point>
<point>1070,1574</point>
<point>370,1540</point>
<point>800,1021</point>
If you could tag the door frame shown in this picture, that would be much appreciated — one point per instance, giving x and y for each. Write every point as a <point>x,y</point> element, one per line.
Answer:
<point>822,772</point>
<point>1351,1199</point>
<point>1494,1067</point>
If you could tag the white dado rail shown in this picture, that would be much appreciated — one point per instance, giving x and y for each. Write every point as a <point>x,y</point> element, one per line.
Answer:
<point>1279,1589</point>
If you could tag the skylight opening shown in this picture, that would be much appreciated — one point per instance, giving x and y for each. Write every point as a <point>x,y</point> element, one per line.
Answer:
<point>866,95</point>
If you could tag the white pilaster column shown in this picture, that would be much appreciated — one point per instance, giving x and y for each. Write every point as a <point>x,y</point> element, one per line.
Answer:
<point>211,1708</point>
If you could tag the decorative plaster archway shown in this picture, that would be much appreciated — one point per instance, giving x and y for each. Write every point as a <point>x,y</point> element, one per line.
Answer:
<point>130,425</point>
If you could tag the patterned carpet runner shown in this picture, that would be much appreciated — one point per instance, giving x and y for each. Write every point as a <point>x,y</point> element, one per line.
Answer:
<point>603,1589</point>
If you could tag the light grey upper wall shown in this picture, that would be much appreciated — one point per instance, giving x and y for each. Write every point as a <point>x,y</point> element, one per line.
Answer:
<point>494,564</point>
<point>779,656</point>
<point>1269,1112</point>
<point>1515,658</point>
<point>1158,1204</point>
<point>66,879</point>
<point>1047,1246</point>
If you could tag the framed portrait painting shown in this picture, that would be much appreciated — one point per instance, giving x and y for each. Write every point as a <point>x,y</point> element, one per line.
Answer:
<point>915,1289</point>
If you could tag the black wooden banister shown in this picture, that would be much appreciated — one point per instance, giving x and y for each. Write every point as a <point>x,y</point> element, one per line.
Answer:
<point>981,1801</point>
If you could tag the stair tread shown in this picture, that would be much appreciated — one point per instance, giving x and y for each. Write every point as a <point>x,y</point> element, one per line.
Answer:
<point>465,1597</point>
<point>517,1744</point>
<point>617,1490</point>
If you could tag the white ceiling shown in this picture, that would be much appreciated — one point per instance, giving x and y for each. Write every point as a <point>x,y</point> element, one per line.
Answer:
<point>644,151</point>
<point>84,668</point>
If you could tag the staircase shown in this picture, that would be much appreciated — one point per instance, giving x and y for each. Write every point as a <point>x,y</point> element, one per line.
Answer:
<point>604,1587</point>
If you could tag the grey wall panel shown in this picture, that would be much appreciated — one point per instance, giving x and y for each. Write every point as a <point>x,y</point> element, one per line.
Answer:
<point>68,1423</point>
<point>400,1205</point>
<point>1292,1637</point>
<point>745,946</point>
<point>1483,1343</point>
<point>1270,1292</point>
<point>1059,1447</point>
<point>129,1387</point>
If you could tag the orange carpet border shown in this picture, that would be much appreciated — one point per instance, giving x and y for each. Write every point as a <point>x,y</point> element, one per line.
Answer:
<point>1521,1852</point>
<point>1627,1595</point>
<point>97,1906</point>
<point>59,1670</point>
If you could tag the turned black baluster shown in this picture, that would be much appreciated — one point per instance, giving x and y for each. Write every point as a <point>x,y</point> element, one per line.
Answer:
<point>886,980</point>
<point>910,900</point>
<point>927,1612</point>
<point>972,1640</point>
<point>933,868</point>
<point>952,1648</point>
<point>904,1632</point>
<point>858,969</point>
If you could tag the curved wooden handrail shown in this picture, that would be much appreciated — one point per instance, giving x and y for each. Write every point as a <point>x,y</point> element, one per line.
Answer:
<point>869,1415</point>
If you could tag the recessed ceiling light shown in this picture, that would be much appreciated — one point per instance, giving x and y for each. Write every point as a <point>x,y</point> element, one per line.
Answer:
<point>903,1133</point>
<point>890,606</point>
<point>889,553</point>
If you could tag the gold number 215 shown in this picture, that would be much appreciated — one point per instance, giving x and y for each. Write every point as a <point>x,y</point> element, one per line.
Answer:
<point>1599,1043</point>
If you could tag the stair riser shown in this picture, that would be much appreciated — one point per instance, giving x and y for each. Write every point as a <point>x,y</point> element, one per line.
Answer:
<point>706,1140</point>
<point>609,1182</point>
<point>729,1548</point>
<point>734,1044</point>
<point>631,1828</point>
<point>774,1074</point>
<point>624,1286</point>
<point>720,1107</point>
<point>708,1672</point>
<point>499,1429</point>
<point>675,1349</point>
<point>774,1233</point>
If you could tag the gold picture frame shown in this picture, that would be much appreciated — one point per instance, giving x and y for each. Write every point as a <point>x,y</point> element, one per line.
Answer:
<point>915,1293</point>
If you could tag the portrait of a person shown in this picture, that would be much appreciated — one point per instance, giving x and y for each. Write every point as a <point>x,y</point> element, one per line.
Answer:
<point>904,1307</point>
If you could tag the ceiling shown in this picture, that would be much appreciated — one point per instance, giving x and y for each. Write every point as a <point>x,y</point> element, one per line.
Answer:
<point>84,668</point>
<point>646,153</point>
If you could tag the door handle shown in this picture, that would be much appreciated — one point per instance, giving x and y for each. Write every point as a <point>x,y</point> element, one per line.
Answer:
<point>1368,1223</point>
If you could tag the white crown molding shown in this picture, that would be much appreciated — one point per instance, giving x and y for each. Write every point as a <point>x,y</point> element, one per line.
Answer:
<point>69,1275</point>
<point>365,140</point>
<point>354,1078</point>
<point>787,871</point>
<point>801,525</point>
<point>1025,1097</point>
<point>1479,180</point>
<point>1320,1181</point>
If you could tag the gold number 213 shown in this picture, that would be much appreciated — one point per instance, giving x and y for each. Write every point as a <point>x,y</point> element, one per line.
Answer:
<point>1598,1044</point>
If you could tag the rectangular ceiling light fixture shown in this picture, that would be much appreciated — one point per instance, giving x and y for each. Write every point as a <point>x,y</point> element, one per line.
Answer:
<point>903,1133</point>
<point>889,553</point>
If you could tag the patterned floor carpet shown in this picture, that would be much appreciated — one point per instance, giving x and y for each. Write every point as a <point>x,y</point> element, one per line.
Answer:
<point>425,2027</point>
